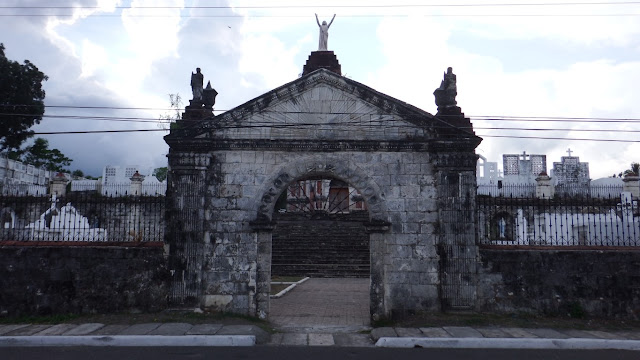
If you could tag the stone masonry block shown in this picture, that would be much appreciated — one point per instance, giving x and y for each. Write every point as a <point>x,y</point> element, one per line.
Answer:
<point>399,251</point>
<point>403,239</point>
<point>411,168</point>
<point>259,157</point>
<point>231,191</point>
<point>427,278</point>
<point>233,157</point>
<point>410,228</point>
<point>395,205</point>
<point>248,157</point>
<point>410,191</point>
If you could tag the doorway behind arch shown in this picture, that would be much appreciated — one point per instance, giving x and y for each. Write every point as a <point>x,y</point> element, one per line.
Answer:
<point>320,234</point>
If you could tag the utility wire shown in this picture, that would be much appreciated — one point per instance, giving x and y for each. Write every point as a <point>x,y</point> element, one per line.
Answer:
<point>472,117</point>
<point>336,5</point>
<point>478,117</point>
<point>191,16</point>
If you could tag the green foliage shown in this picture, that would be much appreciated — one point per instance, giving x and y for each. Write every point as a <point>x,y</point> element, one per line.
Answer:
<point>634,169</point>
<point>160,173</point>
<point>576,311</point>
<point>173,115</point>
<point>77,173</point>
<point>21,100</point>
<point>40,155</point>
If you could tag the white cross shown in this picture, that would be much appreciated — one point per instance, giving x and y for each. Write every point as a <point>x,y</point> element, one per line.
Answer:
<point>569,151</point>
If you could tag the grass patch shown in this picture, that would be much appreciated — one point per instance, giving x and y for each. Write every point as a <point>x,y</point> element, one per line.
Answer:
<point>46,320</point>
<point>276,288</point>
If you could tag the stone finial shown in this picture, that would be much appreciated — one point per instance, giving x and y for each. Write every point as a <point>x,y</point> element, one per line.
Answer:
<point>209,96</point>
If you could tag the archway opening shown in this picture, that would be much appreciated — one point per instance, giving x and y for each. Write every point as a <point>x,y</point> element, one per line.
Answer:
<point>320,234</point>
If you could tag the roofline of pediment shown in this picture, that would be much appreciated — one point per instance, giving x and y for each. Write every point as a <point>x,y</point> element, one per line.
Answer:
<point>306,145</point>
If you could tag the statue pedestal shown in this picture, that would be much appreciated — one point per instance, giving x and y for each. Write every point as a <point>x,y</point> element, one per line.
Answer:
<point>322,60</point>
<point>196,111</point>
<point>454,116</point>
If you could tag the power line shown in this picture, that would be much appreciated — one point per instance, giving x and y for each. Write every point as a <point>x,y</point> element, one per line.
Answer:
<point>510,118</point>
<point>560,138</point>
<point>191,16</point>
<point>337,6</point>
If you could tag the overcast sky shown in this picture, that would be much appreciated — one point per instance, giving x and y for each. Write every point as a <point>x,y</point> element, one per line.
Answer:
<point>511,60</point>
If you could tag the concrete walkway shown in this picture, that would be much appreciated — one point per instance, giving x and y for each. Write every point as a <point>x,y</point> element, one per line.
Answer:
<point>323,305</point>
<point>318,312</point>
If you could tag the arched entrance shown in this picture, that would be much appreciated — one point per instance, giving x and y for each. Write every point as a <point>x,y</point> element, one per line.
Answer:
<point>319,231</point>
<point>322,194</point>
<point>320,239</point>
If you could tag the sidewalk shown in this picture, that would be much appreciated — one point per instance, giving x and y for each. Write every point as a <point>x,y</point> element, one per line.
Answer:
<point>183,334</point>
<point>320,312</point>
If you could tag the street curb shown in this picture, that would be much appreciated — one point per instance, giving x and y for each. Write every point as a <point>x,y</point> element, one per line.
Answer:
<point>287,289</point>
<point>129,340</point>
<point>510,343</point>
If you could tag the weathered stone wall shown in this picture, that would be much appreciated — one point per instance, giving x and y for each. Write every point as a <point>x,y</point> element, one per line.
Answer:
<point>400,159</point>
<point>242,187</point>
<point>560,282</point>
<point>81,279</point>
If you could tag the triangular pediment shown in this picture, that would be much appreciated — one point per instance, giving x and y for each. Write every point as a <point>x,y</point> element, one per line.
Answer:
<point>322,106</point>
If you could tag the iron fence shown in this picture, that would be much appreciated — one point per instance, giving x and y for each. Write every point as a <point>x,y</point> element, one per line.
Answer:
<point>567,219</point>
<point>82,217</point>
<point>22,190</point>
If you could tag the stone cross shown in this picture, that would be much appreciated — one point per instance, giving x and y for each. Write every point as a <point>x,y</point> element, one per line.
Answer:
<point>569,151</point>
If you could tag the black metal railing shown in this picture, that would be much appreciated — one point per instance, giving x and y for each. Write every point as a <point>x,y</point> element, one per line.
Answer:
<point>567,219</point>
<point>82,217</point>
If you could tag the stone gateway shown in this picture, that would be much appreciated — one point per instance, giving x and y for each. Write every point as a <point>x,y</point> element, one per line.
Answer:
<point>413,172</point>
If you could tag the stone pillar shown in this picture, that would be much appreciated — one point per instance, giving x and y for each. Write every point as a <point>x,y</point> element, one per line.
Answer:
<point>263,231</point>
<point>135,188</point>
<point>378,306</point>
<point>58,185</point>
<point>631,185</point>
<point>544,188</point>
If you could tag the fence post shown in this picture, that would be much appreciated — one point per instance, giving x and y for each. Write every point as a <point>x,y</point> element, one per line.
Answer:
<point>544,188</point>
<point>58,185</point>
<point>136,184</point>
<point>631,182</point>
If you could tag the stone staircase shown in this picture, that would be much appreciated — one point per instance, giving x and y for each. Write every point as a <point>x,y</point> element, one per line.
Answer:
<point>320,246</point>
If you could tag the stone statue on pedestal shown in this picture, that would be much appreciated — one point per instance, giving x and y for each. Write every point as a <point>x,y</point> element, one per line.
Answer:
<point>447,92</point>
<point>197,84</point>
<point>324,33</point>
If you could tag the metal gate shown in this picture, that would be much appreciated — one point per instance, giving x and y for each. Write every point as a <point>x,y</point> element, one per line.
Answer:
<point>457,248</point>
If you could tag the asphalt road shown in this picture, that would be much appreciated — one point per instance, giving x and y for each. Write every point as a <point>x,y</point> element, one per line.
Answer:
<point>301,353</point>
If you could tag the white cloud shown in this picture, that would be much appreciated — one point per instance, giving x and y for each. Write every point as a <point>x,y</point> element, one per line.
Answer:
<point>94,57</point>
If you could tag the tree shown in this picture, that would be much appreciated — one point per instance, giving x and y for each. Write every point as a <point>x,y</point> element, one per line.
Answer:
<point>21,100</point>
<point>168,119</point>
<point>160,173</point>
<point>40,155</point>
<point>635,169</point>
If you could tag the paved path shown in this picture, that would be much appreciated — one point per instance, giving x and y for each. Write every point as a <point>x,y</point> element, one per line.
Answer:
<point>324,305</point>
<point>318,312</point>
